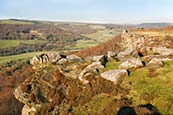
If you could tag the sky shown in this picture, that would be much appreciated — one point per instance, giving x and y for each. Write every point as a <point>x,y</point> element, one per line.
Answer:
<point>95,11</point>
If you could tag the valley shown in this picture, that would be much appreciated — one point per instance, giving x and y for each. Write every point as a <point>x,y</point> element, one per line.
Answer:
<point>67,68</point>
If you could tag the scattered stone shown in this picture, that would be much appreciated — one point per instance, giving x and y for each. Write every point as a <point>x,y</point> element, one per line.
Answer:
<point>162,51</point>
<point>126,52</point>
<point>74,58</point>
<point>148,58</point>
<point>132,63</point>
<point>116,76</point>
<point>156,63</point>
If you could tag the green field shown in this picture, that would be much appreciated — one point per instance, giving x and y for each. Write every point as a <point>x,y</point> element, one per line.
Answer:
<point>5,59</point>
<point>8,43</point>
<point>103,35</point>
<point>157,90</point>
<point>33,41</point>
<point>15,22</point>
<point>15,43</point>
<point>81,44</point>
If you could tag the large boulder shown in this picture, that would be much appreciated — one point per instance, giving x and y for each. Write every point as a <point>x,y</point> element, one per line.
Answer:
<point>92,68</point>
<point>156,62</point>
<point>148,58</point>
<point>116,76</point>
<point>162,51</point>
<point>131,63</point>
<point>74,58</point>
<point>127,52</point>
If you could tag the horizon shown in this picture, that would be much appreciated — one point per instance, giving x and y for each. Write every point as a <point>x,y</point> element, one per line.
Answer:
<point>61,21</point>
<point>89,11</point>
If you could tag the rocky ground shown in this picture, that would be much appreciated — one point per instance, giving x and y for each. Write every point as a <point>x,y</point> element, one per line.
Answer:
<point>136,80</point>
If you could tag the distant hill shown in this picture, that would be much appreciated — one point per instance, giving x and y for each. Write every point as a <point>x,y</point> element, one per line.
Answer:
<point>154,25</point>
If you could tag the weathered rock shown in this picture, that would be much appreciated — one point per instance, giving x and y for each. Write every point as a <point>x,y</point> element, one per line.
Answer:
<point>150,57</point>
<point>55,56</point>
<point>26,110</point>
<point>62,61</point>
<point>126,52</point>
<point>94,67</point>
<point>116,76</point>
<point>162,51</point>
<point>40,58</point>
<point>128,39</point>
<point>156,63</point>
<point>51,57</point>
<point>132,63</point>
<point>102,58</point>
<point>111,54</point>
<point>74,58</point>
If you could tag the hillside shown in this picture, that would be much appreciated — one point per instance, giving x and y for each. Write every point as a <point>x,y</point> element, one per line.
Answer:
<point>154,25</point>
<point>23,36</point>
<point>61,83</point>
<point>135,78</point>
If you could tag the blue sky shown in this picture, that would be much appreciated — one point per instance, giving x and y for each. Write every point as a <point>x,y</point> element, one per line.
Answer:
<point>100,11</point>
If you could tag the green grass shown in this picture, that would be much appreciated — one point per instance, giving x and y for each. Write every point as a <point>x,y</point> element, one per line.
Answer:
<point>85,43</point>
<point>15,22</point>
<point>157,90</point>
<point>33,41</point>
<point>103,35</point>
<point>111,64</point>
<point>15,43</point>
<point>98,103</point>
<point>8,43</point>
<point>5,59</point>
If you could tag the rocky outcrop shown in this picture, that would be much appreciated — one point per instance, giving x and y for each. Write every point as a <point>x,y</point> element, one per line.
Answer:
<point>52,57</point>
<point>92,68</point>
<point>64,81</point>
<point>115,76</point>
<point>131,63</point>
